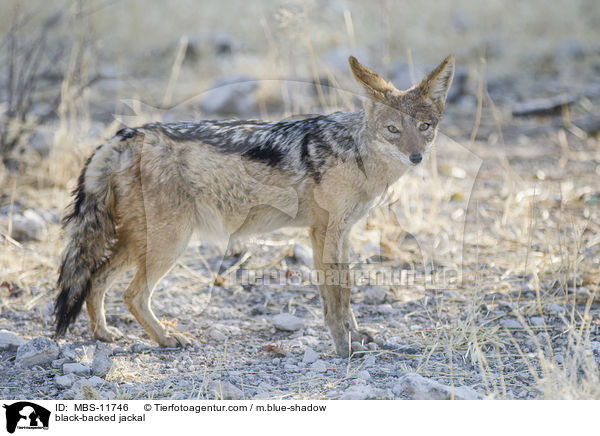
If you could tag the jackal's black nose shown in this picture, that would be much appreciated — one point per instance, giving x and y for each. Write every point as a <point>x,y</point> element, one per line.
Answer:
<point>416,158</point>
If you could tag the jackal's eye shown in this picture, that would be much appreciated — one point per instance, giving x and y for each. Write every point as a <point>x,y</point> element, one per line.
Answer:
<point>424,126</point>
<point>393,129</point>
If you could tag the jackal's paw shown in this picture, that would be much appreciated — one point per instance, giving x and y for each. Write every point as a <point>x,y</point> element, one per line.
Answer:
<point>356,342</point>
<point>174,339</point>
<point>363,335</point>
<point>108,334</point>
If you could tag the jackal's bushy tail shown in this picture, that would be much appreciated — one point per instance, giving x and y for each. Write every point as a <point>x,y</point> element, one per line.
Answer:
<point>90,232</point>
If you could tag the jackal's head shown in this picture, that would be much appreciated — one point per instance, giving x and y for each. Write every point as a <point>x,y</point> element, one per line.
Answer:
<point>404,122</point>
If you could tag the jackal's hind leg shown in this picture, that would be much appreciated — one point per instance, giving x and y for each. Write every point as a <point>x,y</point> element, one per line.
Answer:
<point>160,256</point>
<point>101,282</point>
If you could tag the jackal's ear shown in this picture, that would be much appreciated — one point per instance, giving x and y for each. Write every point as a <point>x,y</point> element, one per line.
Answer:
<point>436,85</point>
<point>375,86</point>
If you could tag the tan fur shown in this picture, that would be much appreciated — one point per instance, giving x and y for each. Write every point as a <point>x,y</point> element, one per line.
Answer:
<point>159,197</point>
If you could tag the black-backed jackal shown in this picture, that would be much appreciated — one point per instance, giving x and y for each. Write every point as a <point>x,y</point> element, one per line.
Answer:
<point>143,193</point>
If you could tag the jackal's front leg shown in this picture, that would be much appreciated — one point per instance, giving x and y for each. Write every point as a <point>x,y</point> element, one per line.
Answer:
<point>331,256</point>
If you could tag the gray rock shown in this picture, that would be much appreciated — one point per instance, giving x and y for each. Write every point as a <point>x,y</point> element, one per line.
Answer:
<point>303,254</point>
<point>417,387</point>
<point>10,340</point>
<point>319,366</point>
<point>217,335</point>
<point>466,393</point>
<point>101,365</point>
<point>369,361</point>
<point>108,395</point>
<point>64,381</point>
<point>375,295</point>
<point>28,226</point>
<point>58,363</point>
<point>364,375</point>
<point>510,323</point>
<point>287,321</point>
<point>230,96</point>
<point>537,321</point>
<point>227,390</point>
<point>76,368</point>
<point>556,309</point>
<point>358,392</point>
<point>95,381</point>
<point>310,356</point>
<point>83,389</point>
<point>385,309</point>
<point>37,351</point>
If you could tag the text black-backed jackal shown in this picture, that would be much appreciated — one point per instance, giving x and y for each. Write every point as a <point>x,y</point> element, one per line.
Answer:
<point>143,193</point>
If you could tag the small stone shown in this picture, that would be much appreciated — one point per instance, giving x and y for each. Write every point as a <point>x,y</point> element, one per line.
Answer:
<point>319,366</point>
<point>287,321</point>
<point>537,321</point>
<point>303,254</point>
<point>67,352</point>
<point>417,387</point>
<point>364,375</point>
<point>58,363</point>
<point>227,391</point>
<point>375,295</point>
<point>510,323</point>
<point>466,393</point>
<point>369,361</point>
<point>64,381</point>
<point>108,395</point>
<point>37,351</point>
<point>358,392</point>
<point>310,356</point>
<point>556,309</point>
<point>95,381</point>
<point>76,368</point>
<point>217,335</point>
<point>101,364</point>
<point>385,309</point>
<point>28,226</point>
<point>10,340</point>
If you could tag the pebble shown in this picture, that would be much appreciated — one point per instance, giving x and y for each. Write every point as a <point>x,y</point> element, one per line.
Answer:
<point>556,309</point>
<point>319,366</point>
<point>64,381</point>
<point>28,226</point>
<point>358,392</point>
<point>101,364</point>
<point>369,361</point>
<point>310,356</point>
<point>510,323</point>
<point>364,375</point>
<point>287,322</point>
<point>37,351</point>
<point>536,321</point>
<point>10,340</point>
<point>217,335</point>
<point>76,368</point>
<point>227,390</point>
<point>417,387</point>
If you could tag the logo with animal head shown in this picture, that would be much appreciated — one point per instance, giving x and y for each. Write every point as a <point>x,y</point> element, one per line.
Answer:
<point>26,415</point>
